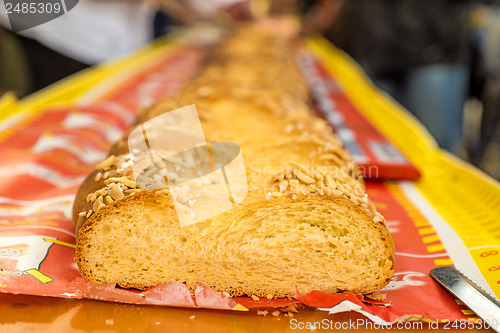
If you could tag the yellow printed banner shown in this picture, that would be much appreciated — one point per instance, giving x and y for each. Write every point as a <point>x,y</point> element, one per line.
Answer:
<point>466,202</point>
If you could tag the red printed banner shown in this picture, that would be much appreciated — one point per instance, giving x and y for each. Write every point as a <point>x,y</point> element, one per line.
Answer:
<point>370,150</point>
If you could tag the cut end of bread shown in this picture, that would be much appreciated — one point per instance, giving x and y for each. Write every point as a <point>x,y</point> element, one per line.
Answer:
<point>274,247</point>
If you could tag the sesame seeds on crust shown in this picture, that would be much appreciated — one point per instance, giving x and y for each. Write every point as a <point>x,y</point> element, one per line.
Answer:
<point>301,180</point>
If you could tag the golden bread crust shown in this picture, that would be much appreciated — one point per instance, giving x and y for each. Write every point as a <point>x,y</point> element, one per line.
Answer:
<point>306,222</point>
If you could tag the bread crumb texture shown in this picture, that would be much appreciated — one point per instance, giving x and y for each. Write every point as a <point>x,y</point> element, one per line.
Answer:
<point>265,249</point>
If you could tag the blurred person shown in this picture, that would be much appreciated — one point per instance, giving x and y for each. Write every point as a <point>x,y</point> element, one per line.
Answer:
<point>485,22</point>
<point>13,72</point>
<point>92,32</point>
<point>417,51</point>
<point>97,31</point>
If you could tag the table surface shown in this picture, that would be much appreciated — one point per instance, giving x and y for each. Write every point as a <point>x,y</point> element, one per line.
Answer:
<point>19,313</point>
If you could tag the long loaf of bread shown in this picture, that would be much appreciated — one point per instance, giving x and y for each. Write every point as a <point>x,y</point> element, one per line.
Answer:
<point>306,223</point>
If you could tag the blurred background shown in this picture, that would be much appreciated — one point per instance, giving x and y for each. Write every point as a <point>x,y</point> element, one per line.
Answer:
<point>439,59</point>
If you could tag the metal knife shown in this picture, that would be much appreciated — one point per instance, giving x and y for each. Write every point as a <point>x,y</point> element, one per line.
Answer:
<point>470,294</point>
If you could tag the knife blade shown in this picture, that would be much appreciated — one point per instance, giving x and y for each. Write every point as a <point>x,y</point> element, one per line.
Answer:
<point>484,305</point>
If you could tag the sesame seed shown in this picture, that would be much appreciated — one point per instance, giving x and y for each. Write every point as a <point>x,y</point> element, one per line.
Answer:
<point>102,191</point>
<point>108,199</point>
<point>304,178</point>
<point>115,192</point>
<point>97,203</point>
<point>106,164</point>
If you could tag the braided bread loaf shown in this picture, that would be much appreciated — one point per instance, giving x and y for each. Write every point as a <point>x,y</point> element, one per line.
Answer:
<point>305,224</point>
